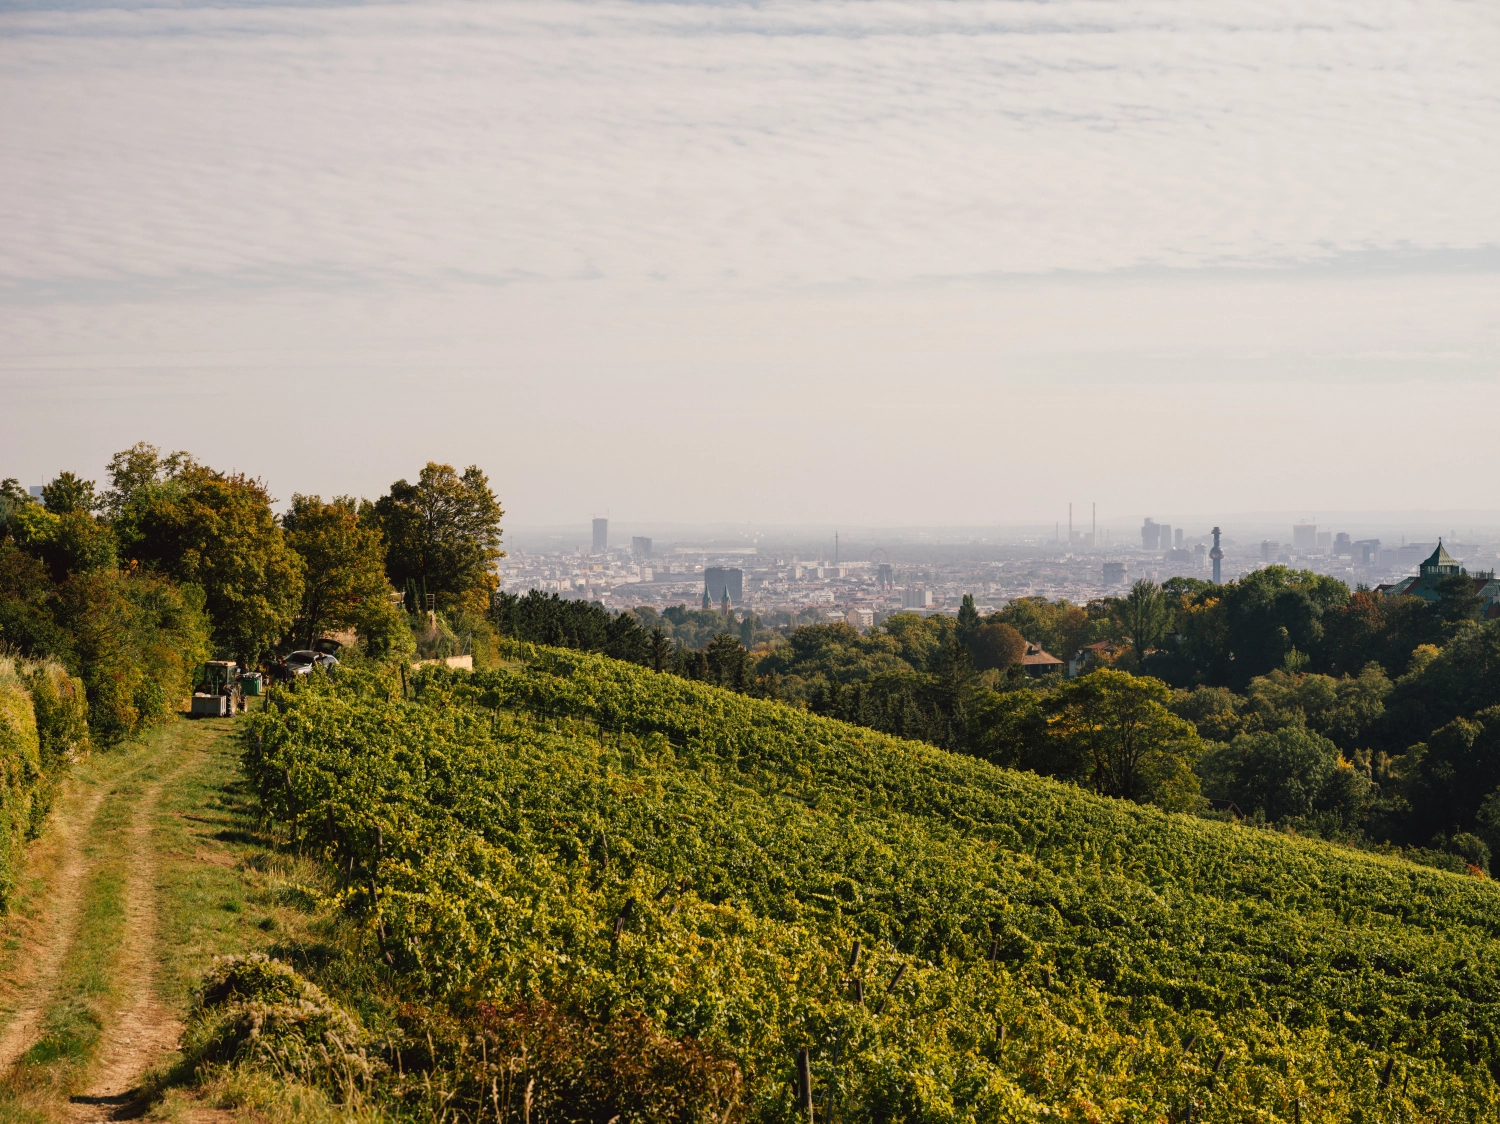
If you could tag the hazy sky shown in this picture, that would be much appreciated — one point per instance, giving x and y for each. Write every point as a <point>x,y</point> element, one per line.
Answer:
<point>788,261</point>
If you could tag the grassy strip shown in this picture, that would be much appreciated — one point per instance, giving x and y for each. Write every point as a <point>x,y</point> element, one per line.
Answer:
<point>224,889</point>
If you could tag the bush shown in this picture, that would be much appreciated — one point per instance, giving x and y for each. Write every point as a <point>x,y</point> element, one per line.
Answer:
<point>32,751</point>
<point>566,1066</point>
<point>135,641</point>
<point>132,638</point>
<point>256,1010</point>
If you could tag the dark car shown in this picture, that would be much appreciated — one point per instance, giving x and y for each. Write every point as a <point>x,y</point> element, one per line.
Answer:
<point>303,661</point>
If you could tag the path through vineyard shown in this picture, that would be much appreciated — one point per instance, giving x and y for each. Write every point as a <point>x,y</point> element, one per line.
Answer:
<point>133,887</point>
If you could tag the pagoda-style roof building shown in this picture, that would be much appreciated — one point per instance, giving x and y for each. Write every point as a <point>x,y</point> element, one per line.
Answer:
<point>1439,565</point>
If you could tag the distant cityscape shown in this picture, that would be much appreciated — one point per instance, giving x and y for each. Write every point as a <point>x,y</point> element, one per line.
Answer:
<point>1079,565</point>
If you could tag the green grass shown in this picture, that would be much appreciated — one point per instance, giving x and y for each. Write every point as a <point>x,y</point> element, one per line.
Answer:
<point>221,887</point>
<point>226,890</point>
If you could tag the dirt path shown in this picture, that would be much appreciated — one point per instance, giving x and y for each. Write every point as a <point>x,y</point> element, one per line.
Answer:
<point>145,1029</point>
<point>149,867</point>
<point>58,925</point>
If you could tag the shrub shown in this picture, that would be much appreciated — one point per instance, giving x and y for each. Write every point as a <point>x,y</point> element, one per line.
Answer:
<point>541,1061</point>
<point>25,780</point>
<point>256,1010</point>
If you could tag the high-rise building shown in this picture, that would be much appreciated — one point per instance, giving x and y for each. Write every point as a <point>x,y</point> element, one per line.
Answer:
<point>640,546</point>
<point>1304,536</point>
<point>1114,573</point>
<point>1164,540</point>
<point>1342,544</point>
<point>1269,551</point>
<point>916,597</point>
<point>601,536</point>
<point>1150,536</point>
<point>1325,541</point>
<point>1177,538</point>
<point>716,579</point>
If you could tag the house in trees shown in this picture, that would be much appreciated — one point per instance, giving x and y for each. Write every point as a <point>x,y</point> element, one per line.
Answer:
<point>1439,565</point>
<point>1038,662</point>
<point>1090,656</point>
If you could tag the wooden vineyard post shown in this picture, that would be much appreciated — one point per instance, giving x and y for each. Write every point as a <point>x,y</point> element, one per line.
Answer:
<point>804,1085</point>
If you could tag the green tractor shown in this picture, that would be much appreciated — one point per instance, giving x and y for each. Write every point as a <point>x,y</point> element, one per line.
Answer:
<point>217,691</point>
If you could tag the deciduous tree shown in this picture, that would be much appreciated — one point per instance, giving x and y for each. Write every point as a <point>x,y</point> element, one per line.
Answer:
<point>443,535</point>
<point>1114,732</point>
<point>70,493</point>
<point>344,567</point>
<point>995,645</point>
<point>217,530</point>
<point>1144,616</point>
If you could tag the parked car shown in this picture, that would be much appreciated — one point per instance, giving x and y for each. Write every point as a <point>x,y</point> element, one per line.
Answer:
<point>301,662</point>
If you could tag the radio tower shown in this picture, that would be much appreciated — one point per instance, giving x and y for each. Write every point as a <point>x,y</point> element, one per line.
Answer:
<point>1217,554</point>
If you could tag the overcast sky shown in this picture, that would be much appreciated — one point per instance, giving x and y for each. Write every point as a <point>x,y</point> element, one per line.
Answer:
<point>789,262</point>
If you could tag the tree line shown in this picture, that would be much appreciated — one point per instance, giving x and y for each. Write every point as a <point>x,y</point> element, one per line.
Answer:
<point>133,585</point>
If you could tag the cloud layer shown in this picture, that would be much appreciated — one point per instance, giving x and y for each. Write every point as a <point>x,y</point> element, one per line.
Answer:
<point>520,188</point>
<point>785,144</point>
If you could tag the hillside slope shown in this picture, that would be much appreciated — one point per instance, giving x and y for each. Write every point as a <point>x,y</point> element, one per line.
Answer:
<point>581,832</point>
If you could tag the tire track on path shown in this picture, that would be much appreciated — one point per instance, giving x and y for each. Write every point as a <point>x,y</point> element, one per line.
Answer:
<point>60,923</point>
<point>145,1029</point>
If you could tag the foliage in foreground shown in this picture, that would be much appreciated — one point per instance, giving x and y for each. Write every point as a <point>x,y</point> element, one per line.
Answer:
<point>43,728</point>
<point>582,837</point>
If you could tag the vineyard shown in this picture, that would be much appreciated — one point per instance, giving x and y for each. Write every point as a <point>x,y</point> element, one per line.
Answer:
<point>573,888</point>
